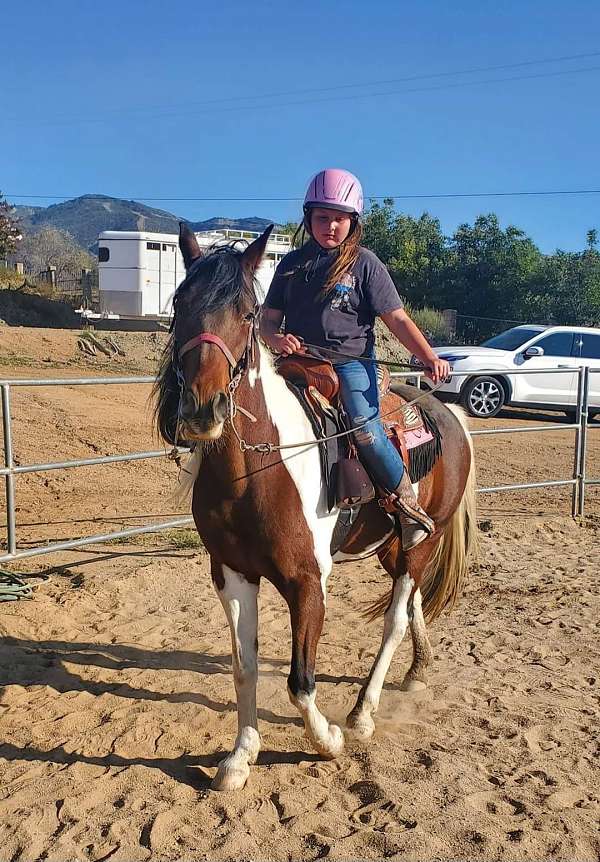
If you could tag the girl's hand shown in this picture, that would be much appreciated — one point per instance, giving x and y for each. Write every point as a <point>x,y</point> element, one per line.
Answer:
<point>288,344</point>
<point>437,370</point>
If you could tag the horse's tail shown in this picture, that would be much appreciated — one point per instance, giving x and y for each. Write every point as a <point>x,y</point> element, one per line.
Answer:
<point>448,566</point>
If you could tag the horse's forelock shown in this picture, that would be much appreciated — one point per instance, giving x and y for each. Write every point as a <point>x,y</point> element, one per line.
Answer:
<point>215,281</point>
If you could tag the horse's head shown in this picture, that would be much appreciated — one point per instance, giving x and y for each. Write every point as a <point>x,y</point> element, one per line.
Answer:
<point>214,312</point>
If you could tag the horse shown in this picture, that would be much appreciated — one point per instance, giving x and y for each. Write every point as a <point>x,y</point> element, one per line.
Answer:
<point>259,502</point>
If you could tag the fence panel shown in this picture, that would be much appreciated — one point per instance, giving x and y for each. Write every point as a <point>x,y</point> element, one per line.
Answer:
<point>578,481</point>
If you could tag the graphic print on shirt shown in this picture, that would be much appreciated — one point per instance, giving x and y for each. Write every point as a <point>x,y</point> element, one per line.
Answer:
<point>340,295</point>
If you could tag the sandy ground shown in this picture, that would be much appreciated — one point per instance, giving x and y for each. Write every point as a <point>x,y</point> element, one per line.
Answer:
<point>116,696</point>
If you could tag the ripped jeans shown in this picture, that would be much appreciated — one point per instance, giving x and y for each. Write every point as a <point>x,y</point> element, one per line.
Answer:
<point>359,395</point>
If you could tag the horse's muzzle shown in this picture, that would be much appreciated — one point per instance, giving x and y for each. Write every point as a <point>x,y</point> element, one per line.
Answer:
<point>202,421</point>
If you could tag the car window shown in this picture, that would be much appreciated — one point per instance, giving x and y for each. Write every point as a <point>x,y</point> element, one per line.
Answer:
<point>511,339</point>
<point>587,346</point>
<point>557,344</point>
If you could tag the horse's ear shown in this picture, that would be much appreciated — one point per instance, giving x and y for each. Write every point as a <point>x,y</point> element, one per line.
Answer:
<point>253,255</point>
<point>188,244</point>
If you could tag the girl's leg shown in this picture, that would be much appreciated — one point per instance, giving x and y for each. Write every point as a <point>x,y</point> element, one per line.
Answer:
<point>360,397</point>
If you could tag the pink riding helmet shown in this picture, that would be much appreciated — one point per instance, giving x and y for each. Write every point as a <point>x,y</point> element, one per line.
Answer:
<point>335,189</point>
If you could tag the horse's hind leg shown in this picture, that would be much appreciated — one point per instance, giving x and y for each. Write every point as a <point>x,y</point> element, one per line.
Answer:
<point>239,600</point>
<point>394,629</point>
<point>307,610</point>
<point>416,676</point>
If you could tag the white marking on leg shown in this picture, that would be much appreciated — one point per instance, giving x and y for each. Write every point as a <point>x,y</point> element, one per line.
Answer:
<point>303,465</point>
<point>239,600</point>
<point>327,738</point>
<point>394,629</point>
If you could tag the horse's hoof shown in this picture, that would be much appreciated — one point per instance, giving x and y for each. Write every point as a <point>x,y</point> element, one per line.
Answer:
<point>230,776</point>
<point>361,725</point>
<point>413,685</point>
<point>332,747</point>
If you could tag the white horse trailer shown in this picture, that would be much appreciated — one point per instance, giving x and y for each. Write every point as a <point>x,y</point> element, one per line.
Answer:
<point>140,271</point>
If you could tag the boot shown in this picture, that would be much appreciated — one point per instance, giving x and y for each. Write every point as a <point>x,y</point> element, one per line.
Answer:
<point>415,524</point>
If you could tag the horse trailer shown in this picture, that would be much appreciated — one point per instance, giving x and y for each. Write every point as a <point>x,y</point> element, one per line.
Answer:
<point>140,271</point>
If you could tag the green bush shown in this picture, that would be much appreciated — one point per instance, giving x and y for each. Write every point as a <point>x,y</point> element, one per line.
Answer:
<point>431,323</point>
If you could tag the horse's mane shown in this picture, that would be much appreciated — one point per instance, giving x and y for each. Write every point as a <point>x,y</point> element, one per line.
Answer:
<point>224,284</point>
<point>223,280</point>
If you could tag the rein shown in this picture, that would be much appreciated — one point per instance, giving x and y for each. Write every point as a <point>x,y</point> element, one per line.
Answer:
<point>237,371</point>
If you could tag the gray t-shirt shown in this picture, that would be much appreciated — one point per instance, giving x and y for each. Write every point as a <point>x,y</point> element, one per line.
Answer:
<point>344,319</point>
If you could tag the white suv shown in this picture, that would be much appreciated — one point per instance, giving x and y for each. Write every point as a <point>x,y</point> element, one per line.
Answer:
<point>487,384</point>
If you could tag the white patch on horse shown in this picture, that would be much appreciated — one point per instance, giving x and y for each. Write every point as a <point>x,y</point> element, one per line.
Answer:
<point>253,376</point>
<point>394,628</point>
<point>303,464</point>
<point>239,600</point>
<point>327,738</point>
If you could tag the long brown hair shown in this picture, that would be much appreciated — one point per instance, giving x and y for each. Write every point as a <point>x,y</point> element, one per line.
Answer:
<point>344,260</point>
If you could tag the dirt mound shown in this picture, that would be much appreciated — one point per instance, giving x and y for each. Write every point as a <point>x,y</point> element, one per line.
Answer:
<point>20,307</point>
<point>118,352</point>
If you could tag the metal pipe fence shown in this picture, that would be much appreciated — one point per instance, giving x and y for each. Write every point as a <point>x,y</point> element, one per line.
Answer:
<point>578,481</point>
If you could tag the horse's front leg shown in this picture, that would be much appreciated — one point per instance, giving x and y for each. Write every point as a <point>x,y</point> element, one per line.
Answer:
<point>394,629</point>
<point>307,611</point>
<point>239,599</point>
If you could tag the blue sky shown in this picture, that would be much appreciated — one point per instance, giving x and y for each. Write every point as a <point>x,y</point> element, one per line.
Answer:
<point>137,100</point>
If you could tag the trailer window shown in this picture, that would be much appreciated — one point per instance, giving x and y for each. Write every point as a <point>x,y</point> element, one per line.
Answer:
<point>153,246</point>
<point>103,254</point>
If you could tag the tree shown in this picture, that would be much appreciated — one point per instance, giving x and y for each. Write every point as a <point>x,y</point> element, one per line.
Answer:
<point>413,249</point>
<point>566,289</point>
<point>489,269</point>
<point>592,239</point>
<point>10,233</point>
<point>52,247</point>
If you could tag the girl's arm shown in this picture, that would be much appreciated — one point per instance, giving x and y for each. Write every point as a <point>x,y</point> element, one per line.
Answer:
<point>270,323</point>
<point>409,334</point>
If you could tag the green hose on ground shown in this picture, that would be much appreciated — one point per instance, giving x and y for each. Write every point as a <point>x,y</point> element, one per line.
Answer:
<point>12,587</point>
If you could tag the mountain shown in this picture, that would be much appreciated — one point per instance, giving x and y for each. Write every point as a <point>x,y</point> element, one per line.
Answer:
<point>86,216</point>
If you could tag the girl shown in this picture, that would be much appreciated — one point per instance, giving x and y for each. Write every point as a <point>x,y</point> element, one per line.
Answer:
<point>329,293</point>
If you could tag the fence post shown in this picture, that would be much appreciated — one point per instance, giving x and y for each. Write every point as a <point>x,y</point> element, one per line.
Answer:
<point>11,531</point>
<point>583,448</point>
<point>577,451</point>
<point>449,315</point>
<point>86,288</point>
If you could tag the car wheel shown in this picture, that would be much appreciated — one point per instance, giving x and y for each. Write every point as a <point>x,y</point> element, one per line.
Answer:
<point>483,397</point>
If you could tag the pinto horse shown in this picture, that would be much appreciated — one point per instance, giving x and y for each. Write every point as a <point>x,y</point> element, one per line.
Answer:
<point>259,501</point>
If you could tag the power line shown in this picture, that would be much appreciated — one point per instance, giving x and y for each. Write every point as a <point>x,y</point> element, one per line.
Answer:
<point>218,108</point>
<point>436,196</point>
<point>361,84</point>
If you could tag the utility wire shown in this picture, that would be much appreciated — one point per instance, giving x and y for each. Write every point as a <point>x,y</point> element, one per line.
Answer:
<point>475,70</point>
<point>438,196</point>
<point>217,106</point>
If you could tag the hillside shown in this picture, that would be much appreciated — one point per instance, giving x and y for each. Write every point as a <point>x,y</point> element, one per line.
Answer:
<point>86,216</point>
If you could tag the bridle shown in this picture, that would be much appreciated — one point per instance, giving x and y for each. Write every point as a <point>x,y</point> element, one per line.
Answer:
<point>237,370</point>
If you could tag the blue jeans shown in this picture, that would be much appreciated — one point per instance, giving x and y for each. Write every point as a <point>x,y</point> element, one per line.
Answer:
<point>359,395</point>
